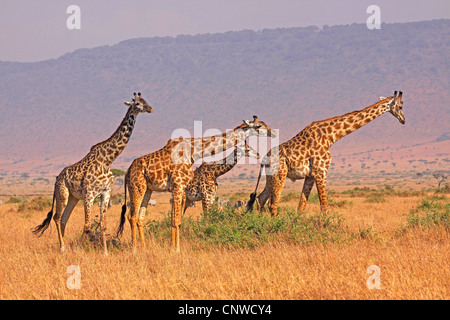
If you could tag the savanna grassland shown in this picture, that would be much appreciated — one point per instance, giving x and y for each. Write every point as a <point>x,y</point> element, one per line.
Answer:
<point>231,255</point>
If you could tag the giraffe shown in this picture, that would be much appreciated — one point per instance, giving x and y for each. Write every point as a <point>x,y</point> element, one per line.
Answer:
<point>307,156</point>
<point>204,184</point>
<point>169,170</point>
<point>91,177</point>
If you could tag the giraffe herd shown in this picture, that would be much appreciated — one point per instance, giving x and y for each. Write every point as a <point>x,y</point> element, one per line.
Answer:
<point>305,156</point>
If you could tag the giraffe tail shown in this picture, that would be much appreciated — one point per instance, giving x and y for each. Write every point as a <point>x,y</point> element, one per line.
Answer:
<point>124,210</point>
<point>251,202</point>
<point>39,230</point>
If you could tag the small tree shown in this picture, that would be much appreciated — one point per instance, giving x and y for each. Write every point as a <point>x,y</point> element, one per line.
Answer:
<point>440,178</point>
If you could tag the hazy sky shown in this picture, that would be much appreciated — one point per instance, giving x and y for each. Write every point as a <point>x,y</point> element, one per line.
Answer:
<point>33,30</point>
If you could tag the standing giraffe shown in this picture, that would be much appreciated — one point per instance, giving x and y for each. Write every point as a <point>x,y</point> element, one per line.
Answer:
<point>169,170</point>
<point>204,184</point>
<point>91,177</point>
<point>306,156</point>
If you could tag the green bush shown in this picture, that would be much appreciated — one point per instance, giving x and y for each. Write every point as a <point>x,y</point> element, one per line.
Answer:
<point>38,203</point>
<point>332,202</point>
<point>386,191</point>
<point>16,200</point>
<point>230,228</point>
<point>361,192</point>
<point>376,199</point>
<point>432,211</point>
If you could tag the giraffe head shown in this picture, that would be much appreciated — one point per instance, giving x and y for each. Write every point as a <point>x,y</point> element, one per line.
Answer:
<point>139,104</point>
<point>247,151</point>
<point>259,128</point>
<point>395,106</point>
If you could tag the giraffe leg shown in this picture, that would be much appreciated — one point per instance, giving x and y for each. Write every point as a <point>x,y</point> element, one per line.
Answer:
<point>88,202</point>
<point>307,186</point>
<point>208,196</point>
<point>177,196</point>
<point>105,195</point>
<point>320,175</point>
<point>142,212</point>
<point>275,196</point>
<point>136,199</point>
<point>62,197</point>
<point>277,186</point>
<point>71,203</point>
<point>321,183</point>
<point>207,202</point>
<point>264,196</point>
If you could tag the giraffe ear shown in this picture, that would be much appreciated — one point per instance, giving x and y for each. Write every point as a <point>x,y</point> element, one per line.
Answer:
<point>246,122</point>
<point>382,98</point>
<point>128,103</point>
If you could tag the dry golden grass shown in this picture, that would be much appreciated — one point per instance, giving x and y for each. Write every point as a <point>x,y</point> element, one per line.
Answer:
<point>413,263</point>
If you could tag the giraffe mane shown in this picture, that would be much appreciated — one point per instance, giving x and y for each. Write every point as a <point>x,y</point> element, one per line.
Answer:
<point>115,132</point>
<point>352,112</point>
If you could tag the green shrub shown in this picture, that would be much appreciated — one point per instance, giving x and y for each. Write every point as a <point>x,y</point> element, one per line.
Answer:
<point>432,211</point>
<point>339,203</point>
<point>387,190</point>
<point>360,192</point>
<point>230,228</point>
<point>376,199</point>
<point>38,203</point>
<point>16,200</point>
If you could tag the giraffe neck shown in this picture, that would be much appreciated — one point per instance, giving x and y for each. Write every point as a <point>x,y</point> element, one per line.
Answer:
<point>225,165</point>
<point>111,148</point>
<point>336,128</point>
<point>205,147</point>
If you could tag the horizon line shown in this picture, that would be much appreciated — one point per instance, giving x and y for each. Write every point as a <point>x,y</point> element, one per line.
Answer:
<point>320,28</point>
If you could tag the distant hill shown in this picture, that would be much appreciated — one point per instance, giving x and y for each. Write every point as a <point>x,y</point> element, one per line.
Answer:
<point>53,111</point>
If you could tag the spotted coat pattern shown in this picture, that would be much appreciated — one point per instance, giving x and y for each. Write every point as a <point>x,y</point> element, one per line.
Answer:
<point>307,156</point>
<point>164,171</point>
<point>203,186</point>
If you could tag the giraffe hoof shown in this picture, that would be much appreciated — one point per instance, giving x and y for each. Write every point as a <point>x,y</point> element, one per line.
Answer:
<point>63,249</point>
